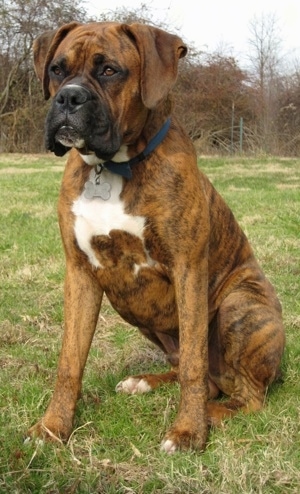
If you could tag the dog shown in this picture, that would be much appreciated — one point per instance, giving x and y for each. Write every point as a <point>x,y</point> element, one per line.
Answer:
<point>140,223</point>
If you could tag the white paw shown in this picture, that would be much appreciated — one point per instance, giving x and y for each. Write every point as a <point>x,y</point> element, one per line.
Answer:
<point>36,441</point>
<point>132,386</point>
<point>168,446</point>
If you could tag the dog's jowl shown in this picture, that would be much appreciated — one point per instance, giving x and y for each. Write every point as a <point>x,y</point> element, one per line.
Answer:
<point>140,223</point>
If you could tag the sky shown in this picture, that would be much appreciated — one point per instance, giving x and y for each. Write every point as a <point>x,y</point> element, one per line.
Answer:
<point>215,23</point>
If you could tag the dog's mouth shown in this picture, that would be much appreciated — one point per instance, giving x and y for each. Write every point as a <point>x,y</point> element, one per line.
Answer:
<point>69,137</point>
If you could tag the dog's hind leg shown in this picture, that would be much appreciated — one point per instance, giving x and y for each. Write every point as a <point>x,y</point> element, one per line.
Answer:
<point>247,399</point>
<point>245,349</point>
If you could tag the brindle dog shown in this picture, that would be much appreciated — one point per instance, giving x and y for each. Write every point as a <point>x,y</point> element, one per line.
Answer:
<point>142,224</point>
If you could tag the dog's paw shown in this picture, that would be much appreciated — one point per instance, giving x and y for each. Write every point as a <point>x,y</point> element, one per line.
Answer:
<point>168,446</point>
<point>37,441</point>
<point>133,385</point>
<point>182,440</point>
<point>39,433</point>
<point>49,428</point>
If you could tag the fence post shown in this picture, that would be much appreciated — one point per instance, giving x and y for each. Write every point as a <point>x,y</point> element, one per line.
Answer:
<point>241,134</point>
<point>232,127</point>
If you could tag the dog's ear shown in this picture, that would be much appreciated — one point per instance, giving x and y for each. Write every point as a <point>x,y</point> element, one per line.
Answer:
<point>43,50</point>
<point>159,52</point>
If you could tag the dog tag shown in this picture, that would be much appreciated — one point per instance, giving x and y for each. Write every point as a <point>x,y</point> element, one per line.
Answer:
<point>92,190</point>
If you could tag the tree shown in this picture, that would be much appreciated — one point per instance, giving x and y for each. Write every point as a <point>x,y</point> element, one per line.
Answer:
<point>288,116</point>
<point>265,65</point>
<point>207,89</point>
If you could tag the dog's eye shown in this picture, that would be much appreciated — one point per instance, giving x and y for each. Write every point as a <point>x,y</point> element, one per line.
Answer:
<point>108,72</point>
<point>57,71</point>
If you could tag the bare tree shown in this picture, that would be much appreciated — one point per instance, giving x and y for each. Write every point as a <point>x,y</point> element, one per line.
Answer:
<point>288,116</point>
<point>265,65</point>
<point>207,89</point>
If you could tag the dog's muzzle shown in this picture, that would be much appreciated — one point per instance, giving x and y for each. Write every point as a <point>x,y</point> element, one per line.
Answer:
<point>79,118</point>
<point>69,100</point>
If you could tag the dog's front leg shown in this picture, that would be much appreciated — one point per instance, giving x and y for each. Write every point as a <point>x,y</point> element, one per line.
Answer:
<point>190,427</point>
<point>82,304</point>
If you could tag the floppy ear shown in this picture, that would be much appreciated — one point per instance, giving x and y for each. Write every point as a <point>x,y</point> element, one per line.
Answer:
<point>159,52</point>
<point>43,50</point>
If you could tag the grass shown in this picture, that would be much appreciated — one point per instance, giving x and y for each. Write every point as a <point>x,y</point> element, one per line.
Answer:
<point>115,444</point>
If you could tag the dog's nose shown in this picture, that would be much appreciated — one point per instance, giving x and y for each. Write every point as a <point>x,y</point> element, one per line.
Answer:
<point>71,98</point>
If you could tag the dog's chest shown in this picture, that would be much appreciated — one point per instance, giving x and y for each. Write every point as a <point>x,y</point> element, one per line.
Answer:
<point>97,216</point>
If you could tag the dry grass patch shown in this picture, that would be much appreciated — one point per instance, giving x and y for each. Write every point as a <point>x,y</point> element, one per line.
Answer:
<point>289,186</point>
<point>21,171</point>
<point>15,159</point>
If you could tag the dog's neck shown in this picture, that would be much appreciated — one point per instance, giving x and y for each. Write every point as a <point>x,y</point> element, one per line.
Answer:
<point>123,168</point>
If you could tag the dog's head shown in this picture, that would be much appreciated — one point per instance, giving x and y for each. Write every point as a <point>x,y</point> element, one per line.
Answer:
<point>104,79</point>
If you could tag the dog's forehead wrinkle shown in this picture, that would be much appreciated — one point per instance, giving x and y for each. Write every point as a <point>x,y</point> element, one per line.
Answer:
<point>78,52</point>
<point>107,43</point>
<point>103,44</point>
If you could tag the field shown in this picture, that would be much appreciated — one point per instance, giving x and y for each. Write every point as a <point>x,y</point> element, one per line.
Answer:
<point>115,444</point>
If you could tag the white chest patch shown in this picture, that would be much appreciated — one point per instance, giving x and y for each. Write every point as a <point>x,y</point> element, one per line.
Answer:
<point>98,217</point>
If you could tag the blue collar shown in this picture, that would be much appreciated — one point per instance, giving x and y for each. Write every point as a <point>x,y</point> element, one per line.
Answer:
<point>124,168</point>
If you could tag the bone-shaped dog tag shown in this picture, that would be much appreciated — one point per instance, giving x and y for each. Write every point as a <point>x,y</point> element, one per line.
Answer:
<point>92,190</point>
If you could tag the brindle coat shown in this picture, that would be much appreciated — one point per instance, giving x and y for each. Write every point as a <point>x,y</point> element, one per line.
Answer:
<point>188,280</point>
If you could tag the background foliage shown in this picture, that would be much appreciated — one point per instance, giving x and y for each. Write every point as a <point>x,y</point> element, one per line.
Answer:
<point>212,94</point>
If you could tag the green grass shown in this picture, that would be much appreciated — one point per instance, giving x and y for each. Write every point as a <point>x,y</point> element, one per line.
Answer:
<point>115,444</point>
